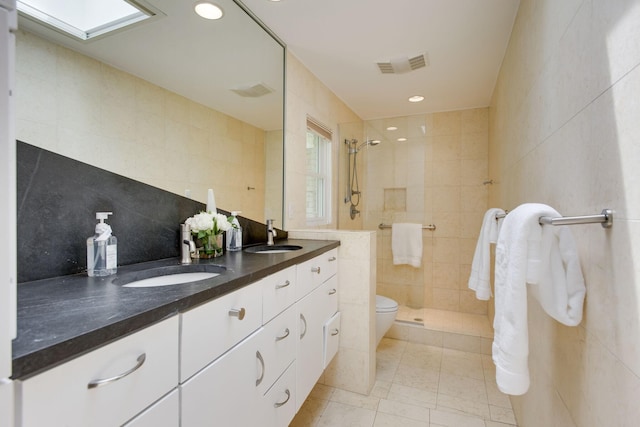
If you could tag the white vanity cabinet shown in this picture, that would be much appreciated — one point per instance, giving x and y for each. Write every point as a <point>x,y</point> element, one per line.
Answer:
<point>314,312</point>
<point>108,386</point>
<point>163,413</point>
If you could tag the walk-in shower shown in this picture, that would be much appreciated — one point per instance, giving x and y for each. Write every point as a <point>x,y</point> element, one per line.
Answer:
<point>353,188</point>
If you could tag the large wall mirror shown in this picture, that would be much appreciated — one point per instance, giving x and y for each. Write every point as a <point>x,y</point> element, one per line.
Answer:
<point>179,102</point>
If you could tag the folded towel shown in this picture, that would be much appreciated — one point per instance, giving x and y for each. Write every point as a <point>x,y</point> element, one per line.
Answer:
<point>547,258</point>
<point>406,244</point>
<point>481,267</point>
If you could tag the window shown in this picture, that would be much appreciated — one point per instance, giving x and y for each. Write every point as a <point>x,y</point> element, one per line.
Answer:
<point>318,171</point>
<point>84,19</point>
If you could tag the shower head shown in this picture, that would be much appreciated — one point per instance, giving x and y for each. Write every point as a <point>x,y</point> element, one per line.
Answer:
<point>371,142</point>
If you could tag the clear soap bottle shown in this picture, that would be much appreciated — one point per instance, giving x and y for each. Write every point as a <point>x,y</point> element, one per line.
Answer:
<point>102,249</point>
<point>234,234</point>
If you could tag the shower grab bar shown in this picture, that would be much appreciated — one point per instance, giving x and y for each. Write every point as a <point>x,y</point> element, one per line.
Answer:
<point>424,227</point>
<point>605,218</point>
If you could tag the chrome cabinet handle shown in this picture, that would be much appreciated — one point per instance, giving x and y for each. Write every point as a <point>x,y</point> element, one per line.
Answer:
<point>279,404</point>
<point>332,291</point>
<point>335,332</point>
<point>287,283</point>
<point>332,259</point>
<point>286,334</point>
<point>234,312</point>
<point>305,326</point>
<point>105,381</point>
<point>259,380</point>
<point>315,270</point>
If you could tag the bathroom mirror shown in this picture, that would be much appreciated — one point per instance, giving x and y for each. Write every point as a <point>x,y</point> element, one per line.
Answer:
<point>232,65</point>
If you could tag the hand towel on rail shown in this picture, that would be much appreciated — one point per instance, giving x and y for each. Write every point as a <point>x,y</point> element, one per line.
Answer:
<point>406,243</point>
<point>545,257</point>
<point>481,267</point>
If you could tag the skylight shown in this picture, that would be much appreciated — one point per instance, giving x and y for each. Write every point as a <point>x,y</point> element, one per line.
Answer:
<point>84,19</point>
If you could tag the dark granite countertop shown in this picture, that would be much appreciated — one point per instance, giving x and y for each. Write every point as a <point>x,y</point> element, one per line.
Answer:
<point>65,317</point>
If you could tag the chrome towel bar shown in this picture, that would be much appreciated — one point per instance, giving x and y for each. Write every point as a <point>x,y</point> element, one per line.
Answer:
<point>424,227</point>
<point>605,218</point>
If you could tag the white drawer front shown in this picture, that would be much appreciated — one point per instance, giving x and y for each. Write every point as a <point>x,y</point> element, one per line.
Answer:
<point>312,273</point>
<point>278,346</point>
<point>164,413</point>
<point>61,396</point>
<point>213,328</point>
<point>330,300</point>
<point>278,293</point>
<point>279,405</point>
<point>331,338</point>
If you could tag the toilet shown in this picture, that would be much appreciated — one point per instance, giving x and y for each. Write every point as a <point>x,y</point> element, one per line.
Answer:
<point>386,311</point>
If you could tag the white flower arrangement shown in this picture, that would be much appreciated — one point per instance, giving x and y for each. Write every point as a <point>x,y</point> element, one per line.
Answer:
<point>206,224</point>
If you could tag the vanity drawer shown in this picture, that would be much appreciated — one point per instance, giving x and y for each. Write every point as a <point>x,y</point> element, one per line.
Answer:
<point>107,386</point>
<point>331,338</point>
<point>164,413</point>
<point>278,293</point>
<point>278,404</point>
<point>312,273</point>
<point>211,329</point>
<point>278,346</point>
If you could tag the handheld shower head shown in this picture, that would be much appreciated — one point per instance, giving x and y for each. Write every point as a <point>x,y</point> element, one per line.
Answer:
<point>371,142</point>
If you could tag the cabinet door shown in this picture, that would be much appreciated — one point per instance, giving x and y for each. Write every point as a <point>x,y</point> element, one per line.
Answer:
<point>108,386</point>
<point>212,328</point>
<point>164,413</point>
<point>309,352</point>
<point>331,338</point>
<point>225,393</point>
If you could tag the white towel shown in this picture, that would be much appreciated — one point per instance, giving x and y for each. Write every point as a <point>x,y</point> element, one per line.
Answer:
<point>406,244</point>
<point>529,253</point>
<point>481,266</point>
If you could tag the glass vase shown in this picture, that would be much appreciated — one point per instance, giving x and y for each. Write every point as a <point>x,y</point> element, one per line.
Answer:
<point>212,246</point>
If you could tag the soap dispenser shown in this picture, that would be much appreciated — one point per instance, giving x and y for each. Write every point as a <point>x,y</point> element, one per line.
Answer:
<point>102,249</point>
<point>234,234</point>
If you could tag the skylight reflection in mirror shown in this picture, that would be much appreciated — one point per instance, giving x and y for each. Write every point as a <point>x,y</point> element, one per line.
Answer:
<point>84,19</point>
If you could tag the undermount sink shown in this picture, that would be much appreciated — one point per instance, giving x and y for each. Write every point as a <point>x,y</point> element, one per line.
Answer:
<point>169,276</point>
<point>272,249</point>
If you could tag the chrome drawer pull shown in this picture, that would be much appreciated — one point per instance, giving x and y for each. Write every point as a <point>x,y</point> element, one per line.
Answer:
<point>332,291</point>
<point>315,270</point>
<point>332,259</point>
<point>234,312</point>
<point>286,334</point>
<point>279,404</point>
<point>304,332</point>
<point>287,283</point>
<point>259,380</point>
<point>335,332</point>
<point>105,381</point>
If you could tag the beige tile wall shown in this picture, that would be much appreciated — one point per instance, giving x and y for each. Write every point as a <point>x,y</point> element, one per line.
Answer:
<point>306,95</point>
<point>442,171</point>
<point>564,131</point>
<point>94,113</point>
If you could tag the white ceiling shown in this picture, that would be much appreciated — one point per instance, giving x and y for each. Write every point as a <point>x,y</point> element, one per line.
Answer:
<point>340,41</point>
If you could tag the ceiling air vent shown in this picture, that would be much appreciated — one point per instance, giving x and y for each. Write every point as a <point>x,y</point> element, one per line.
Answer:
<point>403,64</point>
<point>253,91</point>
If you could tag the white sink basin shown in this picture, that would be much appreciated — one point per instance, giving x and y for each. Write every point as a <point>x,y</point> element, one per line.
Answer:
<point>170,279</point>
<point>272,249</point>
<point>168,275</point>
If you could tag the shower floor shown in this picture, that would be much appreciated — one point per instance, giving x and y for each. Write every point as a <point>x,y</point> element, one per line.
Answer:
<point>448,329</point>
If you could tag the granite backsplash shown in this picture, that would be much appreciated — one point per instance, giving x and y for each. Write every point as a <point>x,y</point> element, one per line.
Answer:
<point>58,197</point>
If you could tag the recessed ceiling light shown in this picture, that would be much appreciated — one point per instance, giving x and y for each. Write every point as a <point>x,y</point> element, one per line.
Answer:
<point>416,98</point>
<point>392,128</point>
<point>401,139</point>
<point>208,10</point>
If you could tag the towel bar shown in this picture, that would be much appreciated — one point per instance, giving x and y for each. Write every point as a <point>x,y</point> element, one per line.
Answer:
<point>424,227</point>
<point>605,218</point>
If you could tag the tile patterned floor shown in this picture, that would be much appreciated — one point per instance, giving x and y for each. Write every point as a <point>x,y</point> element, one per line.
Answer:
<point>417,385</point>
<point>448,321</point>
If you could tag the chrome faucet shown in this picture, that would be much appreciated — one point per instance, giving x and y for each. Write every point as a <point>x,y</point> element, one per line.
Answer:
<point>187,245</point>
<point>271,232</point>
